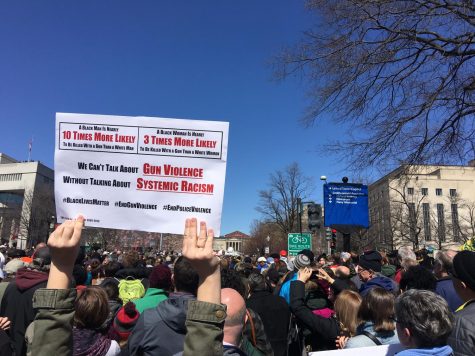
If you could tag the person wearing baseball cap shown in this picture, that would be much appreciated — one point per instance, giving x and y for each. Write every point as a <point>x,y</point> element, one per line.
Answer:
<point>462,339</point>
<point>369,272</point>
<point>262,264</point>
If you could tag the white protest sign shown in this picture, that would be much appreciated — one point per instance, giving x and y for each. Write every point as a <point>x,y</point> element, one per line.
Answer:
<point>140,173</point>
<point>383,350</point>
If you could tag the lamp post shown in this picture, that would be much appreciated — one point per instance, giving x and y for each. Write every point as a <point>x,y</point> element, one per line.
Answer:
<point>51,226</point>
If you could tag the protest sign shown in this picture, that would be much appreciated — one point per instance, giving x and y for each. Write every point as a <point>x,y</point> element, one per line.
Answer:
<point>140,173</point>
<point>383,350</point>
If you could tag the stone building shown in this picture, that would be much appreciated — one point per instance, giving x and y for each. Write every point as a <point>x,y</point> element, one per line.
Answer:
<point>26,202</point>
<point>431,206</point>
<point>233,241</point>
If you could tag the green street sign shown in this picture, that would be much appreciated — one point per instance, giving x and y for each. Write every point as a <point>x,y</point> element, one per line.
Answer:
<point>298,242</point>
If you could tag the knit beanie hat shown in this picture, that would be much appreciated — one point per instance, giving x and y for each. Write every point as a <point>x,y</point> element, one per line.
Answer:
<point>464,268</point>
<point>125,320</point>
<point>345,255</point>
<point>160,277</point>
<point>371,260</point>
<point>301,261</point>
<point>309,254</point>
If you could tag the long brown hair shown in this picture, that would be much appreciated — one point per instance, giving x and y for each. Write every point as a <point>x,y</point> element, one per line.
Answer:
<point>378,307</point>
<point>347,305</point>
<point>91,308</point>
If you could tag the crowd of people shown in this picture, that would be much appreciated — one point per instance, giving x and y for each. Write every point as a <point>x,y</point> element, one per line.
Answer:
<point>60,300</point>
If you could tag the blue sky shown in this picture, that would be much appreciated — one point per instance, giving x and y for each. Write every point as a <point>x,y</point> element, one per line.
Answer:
<point>195,60</point>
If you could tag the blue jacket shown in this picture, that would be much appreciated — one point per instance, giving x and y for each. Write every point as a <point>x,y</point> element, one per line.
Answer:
<point>285,289</point>
<point>361,340</point>
<point>379,281</point>
<point>445,288</point>
<point>439,351</point>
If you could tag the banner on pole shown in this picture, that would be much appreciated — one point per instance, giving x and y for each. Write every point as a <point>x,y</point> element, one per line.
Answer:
<point>346,204</point>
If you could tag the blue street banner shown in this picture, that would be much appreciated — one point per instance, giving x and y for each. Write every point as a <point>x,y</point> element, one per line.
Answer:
<point>346,204</point>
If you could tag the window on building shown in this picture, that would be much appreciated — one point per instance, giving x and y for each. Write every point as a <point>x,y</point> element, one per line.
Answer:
<point>426,214</point>
<point>410,191</point>
<point>412,220</point>
<point>441,222</point>
<point>453,192</point>
<point>10,177</point>
<point>425,191</point>
<point>438,191</point>
<point>455,222</point>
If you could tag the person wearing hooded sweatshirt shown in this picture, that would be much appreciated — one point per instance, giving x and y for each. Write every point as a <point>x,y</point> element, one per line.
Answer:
<point>161,330</point>
<point>17,302</point>
<point>369,271</point>
<point>160,282</point>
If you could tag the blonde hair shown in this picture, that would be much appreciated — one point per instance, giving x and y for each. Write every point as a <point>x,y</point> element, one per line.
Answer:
<point>347,305</point>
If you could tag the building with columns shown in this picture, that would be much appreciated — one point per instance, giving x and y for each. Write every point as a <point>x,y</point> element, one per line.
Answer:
<point>423,206</point>
<point>234,240</point>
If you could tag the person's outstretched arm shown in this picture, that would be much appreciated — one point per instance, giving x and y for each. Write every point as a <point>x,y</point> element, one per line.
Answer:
<point>325,328</point>
<point>206,315</point>
<point>55,303</point>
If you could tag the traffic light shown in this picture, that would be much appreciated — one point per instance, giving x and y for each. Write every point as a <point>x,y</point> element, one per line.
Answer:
<point>328,234</point>
<point>333,241</point>
<point>314,213</point>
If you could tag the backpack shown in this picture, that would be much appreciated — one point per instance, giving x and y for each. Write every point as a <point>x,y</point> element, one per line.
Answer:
<point>130,289</point>
<point>295,338</point>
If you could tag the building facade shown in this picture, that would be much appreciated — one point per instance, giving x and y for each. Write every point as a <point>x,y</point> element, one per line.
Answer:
<point>232,242</point>
<point>26,202</point>
<point>424,206</point>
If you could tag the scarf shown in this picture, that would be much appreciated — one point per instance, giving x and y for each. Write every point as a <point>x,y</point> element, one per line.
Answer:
<point>88,342</point>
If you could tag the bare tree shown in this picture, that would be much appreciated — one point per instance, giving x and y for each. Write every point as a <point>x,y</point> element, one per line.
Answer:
<point>406,221</point>
<point>462,222</point>
<point>259,232</point>
<point>400,74</point>
<point>103,238</point>
<point>279,204</point>
<point>36,216</point>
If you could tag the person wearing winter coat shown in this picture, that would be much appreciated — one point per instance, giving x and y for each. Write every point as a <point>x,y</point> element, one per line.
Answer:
<point>462,339</point>
<point>273,311</point>
<point>377,325</point>
<point>443,264</point>
<point>17,302</point>
<point>424,324</point>
<point>161,330</point>
<point>369,271</point>
<point>326,332</point>
<point>91,311</point>
<point>160,280</point>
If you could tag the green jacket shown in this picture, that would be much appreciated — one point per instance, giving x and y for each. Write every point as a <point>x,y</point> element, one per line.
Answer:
<point>204,336</point>
<point>53,328</point>
<point>151,299</point>
<point>204,326</point>
<point>53,324</point>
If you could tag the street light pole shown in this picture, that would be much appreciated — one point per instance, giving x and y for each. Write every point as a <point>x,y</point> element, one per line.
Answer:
<point>299,211</point>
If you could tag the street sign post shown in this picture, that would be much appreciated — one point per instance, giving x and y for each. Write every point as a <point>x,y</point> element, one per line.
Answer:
<point>298,242</point>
